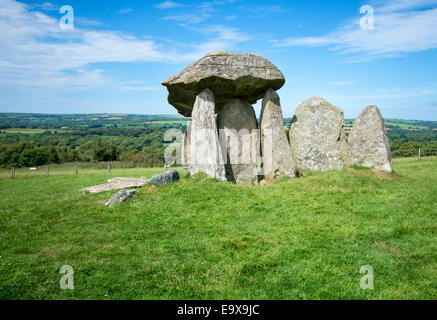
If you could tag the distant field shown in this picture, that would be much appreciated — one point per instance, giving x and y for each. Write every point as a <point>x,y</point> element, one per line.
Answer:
<point>33,131</point>
<point>170,121</point>
<point>26,131</point>
<point>304,238</point>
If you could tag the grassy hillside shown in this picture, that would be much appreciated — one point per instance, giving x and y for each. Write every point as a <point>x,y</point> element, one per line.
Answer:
<point>304,238</point>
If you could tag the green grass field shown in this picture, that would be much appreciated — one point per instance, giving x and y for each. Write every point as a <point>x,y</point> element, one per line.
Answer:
<point>83,169</point>
<point>305,238</point>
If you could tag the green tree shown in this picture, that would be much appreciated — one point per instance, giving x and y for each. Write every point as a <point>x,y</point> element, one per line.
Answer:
<point>33,157</point>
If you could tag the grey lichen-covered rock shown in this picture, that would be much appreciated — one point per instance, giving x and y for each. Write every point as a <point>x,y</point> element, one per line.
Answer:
<point>167,177</point>
<point>317,137</point>
<point>116,184</point>
<point>275,149</point>
<point>368,141</point>
<point>204,153</point>
<point>229,75</point>
<point>121,196</point>
<point>137,182</point>
<point>239,141</point>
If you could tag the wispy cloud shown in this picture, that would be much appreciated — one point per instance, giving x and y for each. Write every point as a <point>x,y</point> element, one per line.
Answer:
<point>45,6</point>
<point>402,5</point>
<point>168,5</point>
<point>400,28</point>
<point>36,52</point>
<point>124,10</point>
<point>196,14</point>
<point>266,9</point>
<point>189,18</point>
<point>231,17</point>
<point>86,22</point>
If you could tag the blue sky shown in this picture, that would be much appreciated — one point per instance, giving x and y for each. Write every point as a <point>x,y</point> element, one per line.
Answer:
<point>120,51</point>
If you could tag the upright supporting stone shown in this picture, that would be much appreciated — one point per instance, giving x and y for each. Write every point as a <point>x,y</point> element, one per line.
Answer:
<point>204,153</point>
<point>185,146</point>
<point>12,172</point>
<point>368,141</point>
<point>47,171</point>
<point>317,137</point>
<point>109,168</point>
<point>275,149</point>
<point>240,141</point>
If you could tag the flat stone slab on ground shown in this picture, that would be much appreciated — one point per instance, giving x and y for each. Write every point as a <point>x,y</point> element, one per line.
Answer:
<point>116,184</point>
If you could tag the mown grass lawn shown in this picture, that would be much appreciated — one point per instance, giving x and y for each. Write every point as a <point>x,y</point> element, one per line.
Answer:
<point>305,238</point>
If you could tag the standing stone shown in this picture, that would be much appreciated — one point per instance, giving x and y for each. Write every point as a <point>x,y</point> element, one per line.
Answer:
<point>185,146</point>
<point>368,141</point>
<point>204,153</point>
<point>240,141</point>
<point>317,137</point>
<point>275,149</point>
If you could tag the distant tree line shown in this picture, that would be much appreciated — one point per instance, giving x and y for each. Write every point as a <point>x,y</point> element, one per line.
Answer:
<point>138,139</point>
<point>143,147</point>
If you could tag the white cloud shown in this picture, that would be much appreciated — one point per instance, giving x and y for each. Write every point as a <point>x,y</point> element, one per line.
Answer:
<point>401,5</point>
<point>167,5</point>
<point>188,18</point>
<point>398,30</point>
<point>195,14</point>
<point>124,10</point>
<point>37,53</point>
<point>81,21</point>
<point>46,6</point>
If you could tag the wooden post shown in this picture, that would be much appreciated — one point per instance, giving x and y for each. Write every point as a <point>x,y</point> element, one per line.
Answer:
<point>47,171</point>
<point>77,171</point>
<point>12,172</point>
<point>109,168</point>
<point>419,153</point>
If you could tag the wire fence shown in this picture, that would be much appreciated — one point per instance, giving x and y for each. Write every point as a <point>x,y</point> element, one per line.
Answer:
<point>76,169</point>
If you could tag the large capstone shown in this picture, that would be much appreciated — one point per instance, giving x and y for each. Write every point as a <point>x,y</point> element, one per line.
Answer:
<point>368,141</point>
<point>204,154</point>
<point>275,149</point>
<point>239,141</point>
<point>229,75</point>
<point>317,137</point>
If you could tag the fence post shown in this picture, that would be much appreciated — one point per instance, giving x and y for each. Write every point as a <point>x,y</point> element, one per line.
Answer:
<point>109,168</point>
<point>47,171</point>
<point>12,172</point>
<point>77,171</point>
<point>419,153</point>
